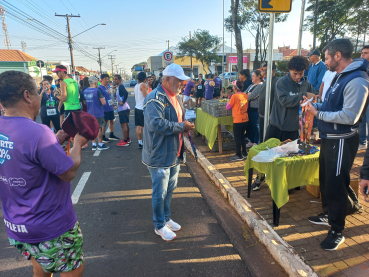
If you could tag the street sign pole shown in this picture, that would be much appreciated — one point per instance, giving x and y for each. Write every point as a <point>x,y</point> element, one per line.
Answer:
<point>269,73</point>
<point>301,26</point>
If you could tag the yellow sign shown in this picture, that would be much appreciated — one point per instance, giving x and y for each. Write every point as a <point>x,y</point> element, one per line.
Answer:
<point>275,6</point>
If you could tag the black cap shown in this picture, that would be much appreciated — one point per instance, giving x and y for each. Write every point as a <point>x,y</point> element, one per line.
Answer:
<point>314,52</point>
<point>273,65</point>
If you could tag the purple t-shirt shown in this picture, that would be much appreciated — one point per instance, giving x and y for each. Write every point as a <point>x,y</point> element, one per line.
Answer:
<point>218,82</point>
<point>94,106</point>
<point>37,205</point>
<point>209,91</point>
<point>108,107</point>
<point>189,86</point>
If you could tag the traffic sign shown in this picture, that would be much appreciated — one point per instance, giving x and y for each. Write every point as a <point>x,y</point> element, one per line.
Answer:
<point>275,6</point>
<point>168,58</point>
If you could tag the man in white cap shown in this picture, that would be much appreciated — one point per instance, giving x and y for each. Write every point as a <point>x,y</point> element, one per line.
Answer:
<point>164,147</point>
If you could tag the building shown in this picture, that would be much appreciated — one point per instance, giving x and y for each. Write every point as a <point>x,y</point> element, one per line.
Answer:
<point>15,60</point>
<point>288,53</point>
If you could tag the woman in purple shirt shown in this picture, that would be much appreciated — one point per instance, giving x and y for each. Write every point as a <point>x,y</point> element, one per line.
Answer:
<point>187,100</point>
<point>35,176</point>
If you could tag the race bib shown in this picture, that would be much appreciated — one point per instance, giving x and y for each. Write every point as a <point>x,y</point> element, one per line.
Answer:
<point>51,112</point>
<point>110,102</point>
<point>199,87</point>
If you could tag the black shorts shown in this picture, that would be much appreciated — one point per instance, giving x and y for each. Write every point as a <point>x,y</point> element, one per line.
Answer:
<point>216,92</point>
<point>200,94</point>
<point>139,117</point>
<point>67,112</point>
<point>123,116</point>
<point>109,115</point>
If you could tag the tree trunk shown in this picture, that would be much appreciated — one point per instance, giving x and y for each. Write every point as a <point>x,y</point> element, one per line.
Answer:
<point>237,32</point>
<point>256,61</point>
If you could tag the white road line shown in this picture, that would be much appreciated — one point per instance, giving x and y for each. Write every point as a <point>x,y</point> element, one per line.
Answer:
<point>81,184</point>
<point>97,153</point>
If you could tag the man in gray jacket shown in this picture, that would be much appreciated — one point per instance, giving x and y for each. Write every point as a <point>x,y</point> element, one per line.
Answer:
<point>338,118</point>
<point>289,91</point>
<point>163,147</point>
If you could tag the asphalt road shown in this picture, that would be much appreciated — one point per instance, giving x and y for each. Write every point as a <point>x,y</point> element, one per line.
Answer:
<point>115,215</point>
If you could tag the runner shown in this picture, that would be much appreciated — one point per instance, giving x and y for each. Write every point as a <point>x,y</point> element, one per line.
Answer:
<point>149,84</point>
<point>121,95</point>
<point>200,88</point>
<point>35,188</point>
<point>69,91</point>
<point>140,94</point>
<point>95,102</point>
<point>187,100</point>
<point>108,109</point>
<point>218,86</point>
<point>49,106</point>
<point>209,87</point>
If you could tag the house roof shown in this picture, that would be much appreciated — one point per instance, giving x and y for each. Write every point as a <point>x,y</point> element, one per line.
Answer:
<point>81,68</point>
<point>8,55</point>
<point>293,52</point>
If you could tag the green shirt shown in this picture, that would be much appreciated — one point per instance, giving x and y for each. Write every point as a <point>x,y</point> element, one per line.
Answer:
<point>72,102</point>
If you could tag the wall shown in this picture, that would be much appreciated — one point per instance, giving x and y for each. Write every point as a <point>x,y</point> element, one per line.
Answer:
<point>17,66</point>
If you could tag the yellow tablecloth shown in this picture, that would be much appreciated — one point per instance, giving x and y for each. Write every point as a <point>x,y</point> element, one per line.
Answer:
<point>207,125</point>
<point>284,173</point>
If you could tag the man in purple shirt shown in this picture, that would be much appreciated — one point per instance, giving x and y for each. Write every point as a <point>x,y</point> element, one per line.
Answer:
<point>218,86</point>
<point>95,102</point>
<point>35,176</point>
<point>209,87</point>
<point>187,100</point>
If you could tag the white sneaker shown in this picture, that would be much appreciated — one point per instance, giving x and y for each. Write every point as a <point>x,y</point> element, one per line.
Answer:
<point>166,233</point>
<point>173,225</point>
<point>362,147</point>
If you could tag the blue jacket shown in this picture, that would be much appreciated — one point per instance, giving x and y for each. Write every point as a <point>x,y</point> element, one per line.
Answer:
<point>315,74</point>
<point>344,102</point>
<point>161,130</point>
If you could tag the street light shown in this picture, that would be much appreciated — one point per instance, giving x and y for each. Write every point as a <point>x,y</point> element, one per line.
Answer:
<point>89,29</point>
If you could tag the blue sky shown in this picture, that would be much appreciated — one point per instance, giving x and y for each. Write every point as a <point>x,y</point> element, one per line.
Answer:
<point>136,29</point>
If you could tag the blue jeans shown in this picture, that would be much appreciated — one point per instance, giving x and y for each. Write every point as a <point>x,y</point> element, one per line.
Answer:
<point>363,128</point>
<point>253,127</point>
<point>164,182</point>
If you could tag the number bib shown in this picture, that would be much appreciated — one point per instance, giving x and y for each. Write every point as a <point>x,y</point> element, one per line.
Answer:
<point>199,87</point>
<point>110,102</point>
<point>51,112</point>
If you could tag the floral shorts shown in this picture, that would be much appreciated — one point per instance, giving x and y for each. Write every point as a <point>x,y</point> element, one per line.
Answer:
<point>62,254</point>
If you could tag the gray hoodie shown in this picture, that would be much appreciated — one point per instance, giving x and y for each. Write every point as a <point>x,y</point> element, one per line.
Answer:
<point>285,110</point>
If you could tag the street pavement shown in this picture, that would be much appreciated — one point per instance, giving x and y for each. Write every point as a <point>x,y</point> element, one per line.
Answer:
<point>115,215</point>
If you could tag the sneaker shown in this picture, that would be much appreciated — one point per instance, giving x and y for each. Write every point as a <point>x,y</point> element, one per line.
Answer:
<point>129,141</point>
<point>166,233</point>
<point>103,147</point>
<point>93,147</point>
<point>256,184</point>
<point>362,147</point>
<point>321,219</point>
<point>173,225</point>
<point>139,146</point>
<point>122,143</point>
<point>244,156</point>
<point>250,144</point>
<point>105,140</point>
<point>332,241</point>
<point>236,158</point>
<point>113,137</point>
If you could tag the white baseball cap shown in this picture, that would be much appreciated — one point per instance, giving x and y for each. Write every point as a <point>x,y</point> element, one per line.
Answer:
<point>175,70</point>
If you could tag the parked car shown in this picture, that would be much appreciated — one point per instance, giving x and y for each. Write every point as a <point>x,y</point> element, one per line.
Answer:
<point>227,76</point>
<point>132,83</point>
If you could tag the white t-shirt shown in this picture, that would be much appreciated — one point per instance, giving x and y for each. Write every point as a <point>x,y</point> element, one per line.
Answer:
<point>327,80</point>
<point>139,97</point>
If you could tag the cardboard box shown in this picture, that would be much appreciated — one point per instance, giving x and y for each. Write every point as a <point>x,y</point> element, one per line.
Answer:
<point>315,190</point>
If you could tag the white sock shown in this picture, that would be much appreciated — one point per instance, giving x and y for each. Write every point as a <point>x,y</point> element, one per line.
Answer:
<point>94,144</point>
<point>100,144</point>
<point>140,141</point>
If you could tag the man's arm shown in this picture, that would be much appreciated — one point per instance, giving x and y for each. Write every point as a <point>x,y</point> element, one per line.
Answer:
<point>123,93</point>
<point>63,91</point>
<point>144,89</point>
<point>287,98</point>
<point>154,114</point>
<point>321,90</point>
<point>354,95</point>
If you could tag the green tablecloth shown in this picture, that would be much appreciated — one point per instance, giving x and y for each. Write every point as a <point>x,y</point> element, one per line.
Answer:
<point>284,173</point>
<point>207,125</point>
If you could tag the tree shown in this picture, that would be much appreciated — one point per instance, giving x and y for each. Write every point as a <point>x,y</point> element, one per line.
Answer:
<point>202,46</point>
<point>237,33</point>
<point>257,24</point>
<point>282,66</point>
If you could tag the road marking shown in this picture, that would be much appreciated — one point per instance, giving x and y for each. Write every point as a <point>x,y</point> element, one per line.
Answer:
<point>97,153</point>
<point>81,184</point>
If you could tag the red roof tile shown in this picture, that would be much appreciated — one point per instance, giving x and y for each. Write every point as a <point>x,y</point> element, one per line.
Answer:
<point>8,55</point>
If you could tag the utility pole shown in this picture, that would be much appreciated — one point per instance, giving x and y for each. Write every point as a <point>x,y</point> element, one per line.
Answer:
<point>191,61</point>
<point>301,26</point>
<point>168,45</point>
<point>315,22</point>
<point>24,46</point>
<point>223,46</point>
<point>99,61</point>
<point>67,16</point>
<point>111,57</point>
<point>5,29</point>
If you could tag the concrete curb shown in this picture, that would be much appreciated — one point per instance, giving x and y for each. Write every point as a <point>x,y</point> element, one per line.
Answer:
<point>282,252</point>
